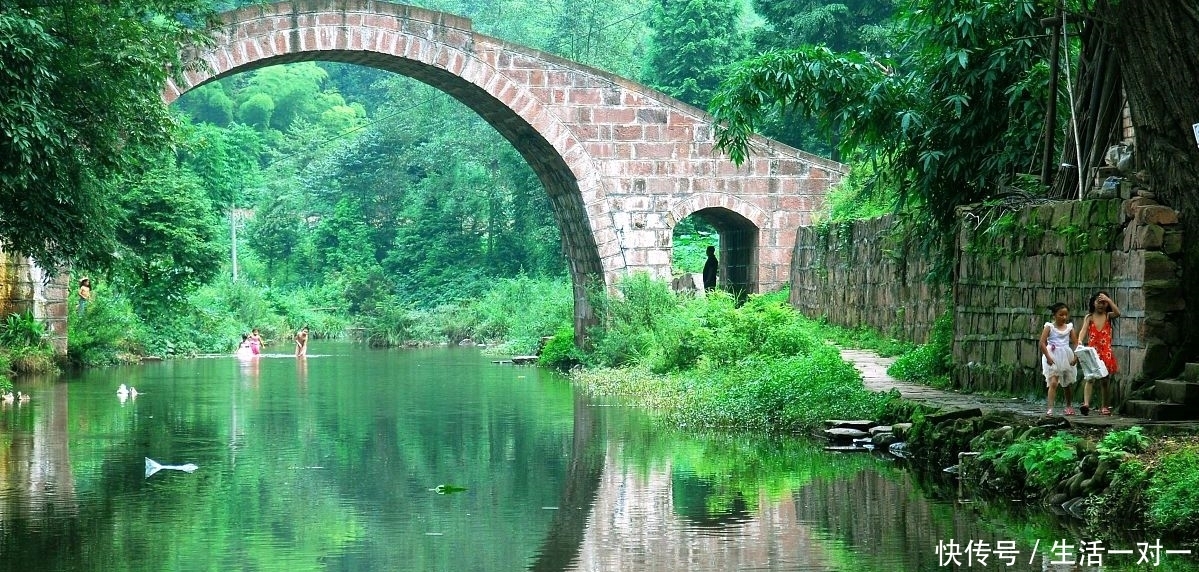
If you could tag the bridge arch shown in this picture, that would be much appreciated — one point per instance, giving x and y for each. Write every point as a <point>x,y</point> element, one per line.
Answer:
<point>611,154</point>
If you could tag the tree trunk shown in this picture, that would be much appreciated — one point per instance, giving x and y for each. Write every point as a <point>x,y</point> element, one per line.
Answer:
<point>1155,43</point>
<point>1096,106</point>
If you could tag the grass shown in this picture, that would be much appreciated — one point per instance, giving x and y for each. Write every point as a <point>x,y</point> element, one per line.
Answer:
<point>711,364</point>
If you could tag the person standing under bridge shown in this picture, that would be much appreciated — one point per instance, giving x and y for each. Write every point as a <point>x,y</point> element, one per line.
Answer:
<point>711,269</point>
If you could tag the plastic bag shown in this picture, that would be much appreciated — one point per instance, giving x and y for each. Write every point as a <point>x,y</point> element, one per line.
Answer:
<point>1088,360</point>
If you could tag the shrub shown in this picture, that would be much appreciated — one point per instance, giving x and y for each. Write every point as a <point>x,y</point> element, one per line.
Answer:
<point>1050,461</point>
<point>108,329</point>
<point>931,363</point>
<point>560,352</point>
<point>32,359</point>
<point>678,344</point>
<point>1173,493</point>
<point>22,330</point>
<point>1116,443</point>
<point>1122,504</point>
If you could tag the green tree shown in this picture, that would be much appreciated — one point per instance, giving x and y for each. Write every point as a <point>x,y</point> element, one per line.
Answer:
<point>209,103</point>
<point>950,122</point>
<point>168,239</point>
<point>854,25</point>
<point>840,26</point>
<point>82,84</point>
<point>275,233</point>
<point>694,40</point>
<point>1154,42</point>
<point>608,35</point>
<point>295,91</point>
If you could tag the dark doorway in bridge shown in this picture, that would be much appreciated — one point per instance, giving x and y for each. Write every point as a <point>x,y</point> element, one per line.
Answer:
<point>735,239</point>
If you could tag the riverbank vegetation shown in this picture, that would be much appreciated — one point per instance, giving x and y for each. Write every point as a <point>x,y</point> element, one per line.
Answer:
<point>709,363</point>
<point>24,348</point>
<point>1130,479</point>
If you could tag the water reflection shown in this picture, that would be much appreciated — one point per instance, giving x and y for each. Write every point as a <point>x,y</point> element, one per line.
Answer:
<point>334,470</point>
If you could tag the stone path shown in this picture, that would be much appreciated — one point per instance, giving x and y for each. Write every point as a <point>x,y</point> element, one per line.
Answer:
<point>874,373</point>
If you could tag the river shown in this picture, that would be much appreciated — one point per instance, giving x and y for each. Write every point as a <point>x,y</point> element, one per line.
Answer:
<point>353,459</point>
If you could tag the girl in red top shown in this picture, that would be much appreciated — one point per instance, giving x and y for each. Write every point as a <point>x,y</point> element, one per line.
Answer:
<point>1097,333</point>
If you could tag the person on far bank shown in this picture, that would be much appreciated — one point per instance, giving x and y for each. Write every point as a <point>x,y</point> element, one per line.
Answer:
<point>711,269</point>
<point>302,342</point>
<point>1057,343</point>
<point>1097,333</point>
<point>85,293</point>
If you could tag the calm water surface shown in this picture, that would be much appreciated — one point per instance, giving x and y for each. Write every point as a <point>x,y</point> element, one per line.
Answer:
<point>334,462</point>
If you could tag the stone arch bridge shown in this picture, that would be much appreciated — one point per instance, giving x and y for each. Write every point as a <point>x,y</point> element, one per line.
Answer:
<point>622,163</point>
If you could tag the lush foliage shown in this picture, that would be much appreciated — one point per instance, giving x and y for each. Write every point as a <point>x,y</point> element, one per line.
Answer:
<point>105,333</point>
<point>560,351</point>
<point>22,329</point>
<point>931,363</point>
<point>81,103</point>
<point>1120,442</point>
<point>24,347</point>
<point>1045,462</point>
<point>693,42</point>
<point>1174,491</point>
<point>864,338</point>
<point>516,312</point>
<point>691,239</point>
<point>706,362</point>
<point>949,122</point>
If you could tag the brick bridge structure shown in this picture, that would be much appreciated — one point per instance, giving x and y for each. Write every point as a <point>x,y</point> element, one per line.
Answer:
<point>622,163</point>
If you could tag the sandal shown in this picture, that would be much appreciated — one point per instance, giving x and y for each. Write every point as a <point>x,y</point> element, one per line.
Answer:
<point>1049,413</point>
<point>1105,411</point>
<point>1069,411</point>
<point>1085,409</point>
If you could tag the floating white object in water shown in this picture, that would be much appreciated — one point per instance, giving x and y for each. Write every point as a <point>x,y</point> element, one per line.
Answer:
<point>153,466</point>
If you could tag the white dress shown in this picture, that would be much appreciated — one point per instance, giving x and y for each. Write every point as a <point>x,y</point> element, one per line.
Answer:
<point>1058,345</point>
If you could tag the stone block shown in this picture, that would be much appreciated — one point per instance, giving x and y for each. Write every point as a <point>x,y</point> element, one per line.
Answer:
<point>1159,266</point>
<point>1062,212</point>
<point>1130,207</point>
<point>1172,242</point>
<point>1157,359</point>
<point>1096,211</point>
<point>1157,214</point>
<point>1149,237</point>
<point>1053,269</point>
<point>1044,215</point>
<point>1119,266</point>
<point>1177,391</point>
<point>1131,360</point>
<point>1163,296</point>
<point>1159,329</point>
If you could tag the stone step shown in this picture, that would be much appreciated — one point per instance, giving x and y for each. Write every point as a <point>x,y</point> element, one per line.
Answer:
<point>1191,373</point>
<point>1177,391</point>
<point>1160,411</point>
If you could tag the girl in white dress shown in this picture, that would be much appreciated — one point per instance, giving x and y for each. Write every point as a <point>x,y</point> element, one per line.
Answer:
<point>1058,340</point>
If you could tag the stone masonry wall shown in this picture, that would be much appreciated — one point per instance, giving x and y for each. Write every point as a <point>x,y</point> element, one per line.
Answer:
<point>23,287</point>
<point>1007,270</point>
<point>1011,269</point>
<point>865,274</point>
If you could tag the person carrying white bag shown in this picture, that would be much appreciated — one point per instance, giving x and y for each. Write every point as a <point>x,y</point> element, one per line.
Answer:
<point>1096,334</point>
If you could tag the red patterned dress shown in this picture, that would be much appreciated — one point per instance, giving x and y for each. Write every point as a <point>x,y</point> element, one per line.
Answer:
<point>1101,340</point>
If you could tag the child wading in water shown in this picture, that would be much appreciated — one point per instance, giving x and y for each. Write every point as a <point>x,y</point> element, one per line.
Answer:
<point>1057,355</point>
<point>1097,333</point>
